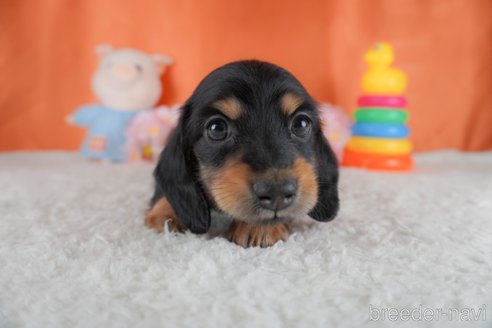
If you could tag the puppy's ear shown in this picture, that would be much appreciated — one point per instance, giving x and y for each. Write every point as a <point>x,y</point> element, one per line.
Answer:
<point>327,170</point>
<point>176,179</point>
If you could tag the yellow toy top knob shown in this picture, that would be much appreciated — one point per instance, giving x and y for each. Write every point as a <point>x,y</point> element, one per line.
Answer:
<point>380,78</point>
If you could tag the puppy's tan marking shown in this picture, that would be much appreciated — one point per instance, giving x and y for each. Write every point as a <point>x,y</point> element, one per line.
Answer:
<point>229,186</point>
<point>248,235</point>
<point>159,214</point>
<point>230,107</point>
<point>290,102</point>
<point>307,182</point>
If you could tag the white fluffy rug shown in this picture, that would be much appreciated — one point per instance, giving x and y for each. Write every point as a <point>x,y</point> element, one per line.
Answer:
<point>74,253</point>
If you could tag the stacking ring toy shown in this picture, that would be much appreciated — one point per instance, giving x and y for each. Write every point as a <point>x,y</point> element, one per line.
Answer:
<point>377,162</point>
<point>380,130</point>
<point>383,101</point>
<point>390,116</point>
<point>380,146</point>
<point>379,108</point>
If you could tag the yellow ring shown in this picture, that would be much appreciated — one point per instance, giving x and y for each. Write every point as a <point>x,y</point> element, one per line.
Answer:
<point>380,146</point>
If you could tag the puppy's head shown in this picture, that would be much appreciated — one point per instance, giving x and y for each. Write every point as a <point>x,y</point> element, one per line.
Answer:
<point>249,143</point>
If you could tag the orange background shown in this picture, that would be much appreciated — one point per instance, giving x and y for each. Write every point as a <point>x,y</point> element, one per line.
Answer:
<point>47,58</point>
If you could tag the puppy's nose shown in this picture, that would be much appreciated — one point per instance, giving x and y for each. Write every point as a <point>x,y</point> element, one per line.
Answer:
<point>275,196</point>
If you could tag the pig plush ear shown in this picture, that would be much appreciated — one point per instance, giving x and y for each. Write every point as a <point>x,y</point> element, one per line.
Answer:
<point>103,50</point>
<point>161,61</point>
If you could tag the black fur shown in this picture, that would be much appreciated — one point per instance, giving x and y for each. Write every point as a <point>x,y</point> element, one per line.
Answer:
<point>327,207</point>
<point>176,179</point>
<point>261,136</point>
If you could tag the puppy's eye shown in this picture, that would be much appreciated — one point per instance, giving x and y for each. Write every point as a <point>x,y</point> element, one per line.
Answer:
<point>301,126</point>
<point>217,129</point>
<point>139,67</point>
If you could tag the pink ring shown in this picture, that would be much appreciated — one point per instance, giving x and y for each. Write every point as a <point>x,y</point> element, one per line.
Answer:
<point>383,101</point>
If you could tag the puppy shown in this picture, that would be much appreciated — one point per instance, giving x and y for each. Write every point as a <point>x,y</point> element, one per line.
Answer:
<point>248,145</point>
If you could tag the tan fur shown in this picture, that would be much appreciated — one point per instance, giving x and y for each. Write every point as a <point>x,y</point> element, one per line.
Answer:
<point>307,182</point>
<point>159,214</point>
<point>248,235</point>
<point>229,187</point>
<point>230,107</point>
<point>290,102</point>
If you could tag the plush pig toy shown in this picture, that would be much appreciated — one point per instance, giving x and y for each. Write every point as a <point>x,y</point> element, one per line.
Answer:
<point>126,81</point>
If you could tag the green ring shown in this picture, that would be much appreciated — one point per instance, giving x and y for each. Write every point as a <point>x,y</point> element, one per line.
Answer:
<point>382,108</point>
<point>392,116</point>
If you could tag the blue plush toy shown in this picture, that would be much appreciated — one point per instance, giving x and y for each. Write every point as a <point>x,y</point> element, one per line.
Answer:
<point>105,138</point>
<point>126,82</point>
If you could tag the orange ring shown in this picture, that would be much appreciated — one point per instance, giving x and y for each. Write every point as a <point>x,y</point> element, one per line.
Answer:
<point>377,162</point>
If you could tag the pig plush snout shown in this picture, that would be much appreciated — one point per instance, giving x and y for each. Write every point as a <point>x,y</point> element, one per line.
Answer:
<point>125,71</point>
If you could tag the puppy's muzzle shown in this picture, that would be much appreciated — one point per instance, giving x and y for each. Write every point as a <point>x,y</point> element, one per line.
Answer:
<point>275,195</point>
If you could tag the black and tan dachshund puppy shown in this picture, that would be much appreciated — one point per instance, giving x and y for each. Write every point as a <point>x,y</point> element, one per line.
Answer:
<point>248,145</point>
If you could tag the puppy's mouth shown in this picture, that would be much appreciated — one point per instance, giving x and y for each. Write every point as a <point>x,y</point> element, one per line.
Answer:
<point>274,220</point>
<point>267,217</point>
<point>251,213</point>
<point>266,198</point>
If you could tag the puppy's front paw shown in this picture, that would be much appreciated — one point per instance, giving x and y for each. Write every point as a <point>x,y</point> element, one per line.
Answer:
<point>248,235</point>
<point>157,223</point>
<point>161,213</point>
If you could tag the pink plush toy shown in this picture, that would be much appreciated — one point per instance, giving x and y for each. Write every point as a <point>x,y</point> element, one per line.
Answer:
<point>148,133</point>
<point>336,127</point>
